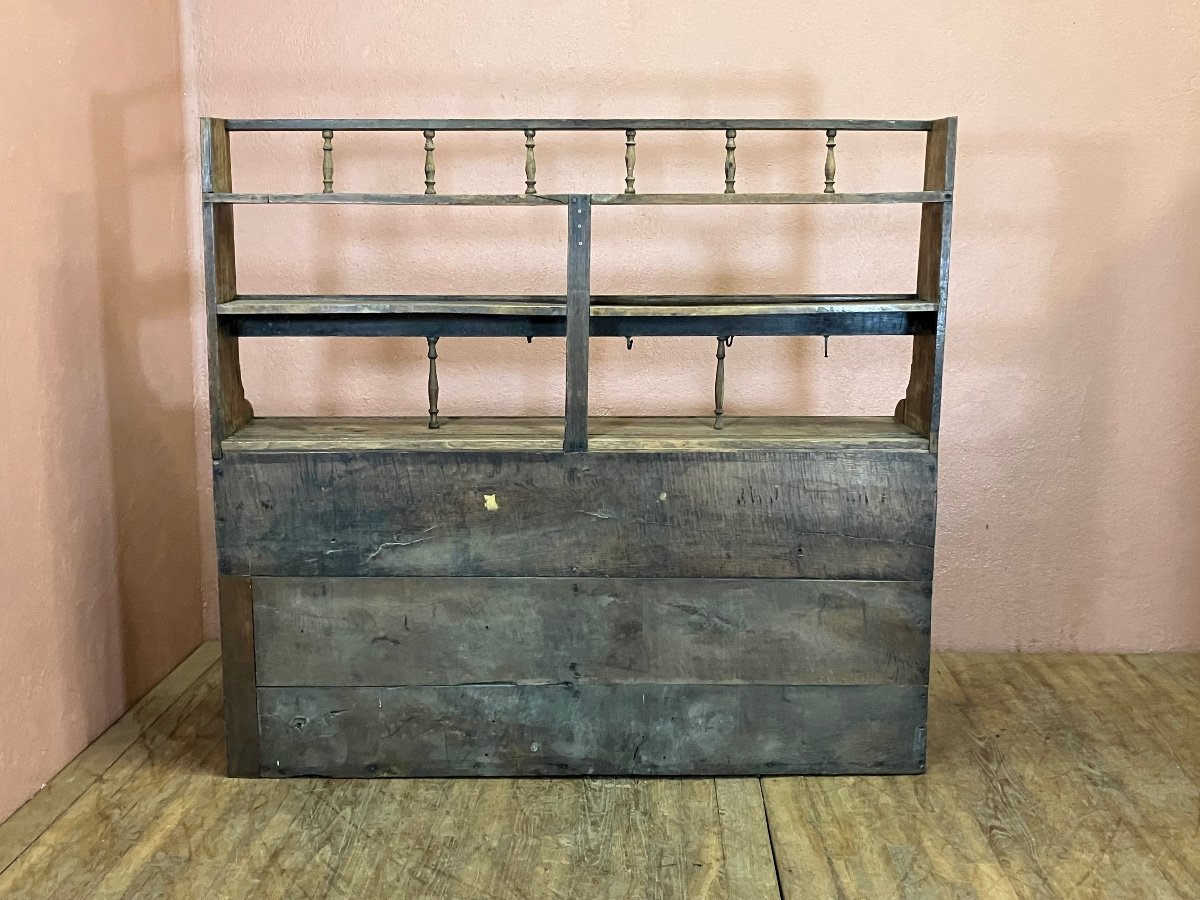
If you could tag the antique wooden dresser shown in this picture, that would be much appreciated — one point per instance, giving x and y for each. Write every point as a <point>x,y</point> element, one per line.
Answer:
<point>649,596</point>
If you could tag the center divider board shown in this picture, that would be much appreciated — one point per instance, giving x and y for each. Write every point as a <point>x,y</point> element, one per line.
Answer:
<point>431,631</point>
<point>760,514</point>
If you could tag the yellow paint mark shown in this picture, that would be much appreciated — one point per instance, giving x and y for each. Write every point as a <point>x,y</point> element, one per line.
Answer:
<point>489,502</point>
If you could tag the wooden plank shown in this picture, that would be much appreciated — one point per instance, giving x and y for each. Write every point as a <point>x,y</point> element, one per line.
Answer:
<point>578,124</point>
<point>579,289</point>
<point>24,826</point>
<point>635,322</point>
<point>446,631</point>
<point>237,658</point>
<point>586,729</point>
<point>228,407</point>
<point>605,433</point>
<point>921,407</point>
<point>224,198</point>
<point>847,514</point>
<point>552,305</point>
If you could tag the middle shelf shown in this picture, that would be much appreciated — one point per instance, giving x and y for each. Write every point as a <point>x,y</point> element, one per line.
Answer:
<point>267,315</point>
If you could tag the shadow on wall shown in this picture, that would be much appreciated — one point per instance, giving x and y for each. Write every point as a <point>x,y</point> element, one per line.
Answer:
<point>146,369</point>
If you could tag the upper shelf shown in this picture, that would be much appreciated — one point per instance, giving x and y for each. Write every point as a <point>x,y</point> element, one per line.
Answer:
<point>693,199</point>
<point>578,124</point>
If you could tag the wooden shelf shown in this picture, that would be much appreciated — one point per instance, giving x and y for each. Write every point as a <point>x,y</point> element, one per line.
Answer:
<point>577,124</point>
<point>692,199</point>
<point>604,433</point>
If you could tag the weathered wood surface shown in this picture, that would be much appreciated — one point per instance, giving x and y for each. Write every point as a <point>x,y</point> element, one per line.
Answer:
<point>605,433</point>
<point>237,657</point>
<point>220,198</point>
<point>555,305</point>
<point>579,124</point>
<point>921,407</point>
<point>439,631</point>
<point>585,729</point>
<point>579,289</point>
<point>848,514</point>
<point>1049,775</point>
<point>635,321</point>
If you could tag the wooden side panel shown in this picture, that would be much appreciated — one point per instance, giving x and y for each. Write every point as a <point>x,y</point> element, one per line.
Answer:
<point>853,515</point>
<point>592,729</point>
<point>921,407</point>
<point>237,664</point>
<point>414,631</point>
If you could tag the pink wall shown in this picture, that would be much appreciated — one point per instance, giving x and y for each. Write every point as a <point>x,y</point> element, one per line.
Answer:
<point>99,560</point>
<point>1071,475</point>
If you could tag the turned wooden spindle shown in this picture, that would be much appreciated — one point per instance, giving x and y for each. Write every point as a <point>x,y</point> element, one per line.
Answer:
<point>327,162</point>
<point>530,163</point>
<point>433,383</point>
<point>830,162</point>
<point>719,386</point>
<point>430,187</point>
<point>730,162</point>
<point>630,159</point>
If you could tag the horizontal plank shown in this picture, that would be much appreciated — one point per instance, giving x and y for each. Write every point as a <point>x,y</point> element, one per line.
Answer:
<point>605,433</point>
<point>555,305</point>
<point>811,514</point>
<point>689,199</point>
<point>445,631</point>
<point>593,729</point>
<point>577,124</point>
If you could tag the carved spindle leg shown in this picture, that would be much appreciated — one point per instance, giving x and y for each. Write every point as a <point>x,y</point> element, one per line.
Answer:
<point>730,162</point>
<point>830,162</point>
<point>430,187</point>
<point>530,163</point>
<point>433,383</point>
<point>630,159</point>
<point>719,387</point>
<point>327,163</point>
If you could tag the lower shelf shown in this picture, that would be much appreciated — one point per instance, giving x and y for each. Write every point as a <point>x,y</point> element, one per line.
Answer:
<point>604,433</point>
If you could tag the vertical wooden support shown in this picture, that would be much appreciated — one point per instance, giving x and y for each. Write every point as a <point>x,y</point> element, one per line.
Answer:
<point>830,161</point>
<point>579,266</point>
<point>719,386</point>
<point>730,162</point>
<point>327,162</point>
<point>530,163</point>
<point>921,407</point>
<point>433,383</point>
<point>430,183</point>
<point>228,409</point>
<point>238,675</point>
<point>630,159</point>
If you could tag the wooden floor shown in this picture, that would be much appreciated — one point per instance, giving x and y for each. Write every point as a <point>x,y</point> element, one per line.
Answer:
<point>1049,776</point>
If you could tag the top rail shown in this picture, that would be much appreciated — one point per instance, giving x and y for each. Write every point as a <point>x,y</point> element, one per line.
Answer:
<point>578,124</point>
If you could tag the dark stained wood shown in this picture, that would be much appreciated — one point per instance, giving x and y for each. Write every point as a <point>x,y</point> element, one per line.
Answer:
<point>579,289</point>
<point>385,199</point>
<point>838,514</point>
<point>593,729</point>
<point>237,665</point>
<point>605,433</point>
<point>579,124</point>
<point>228,407</point>
<point>429,631</point>
<point>921,407</point>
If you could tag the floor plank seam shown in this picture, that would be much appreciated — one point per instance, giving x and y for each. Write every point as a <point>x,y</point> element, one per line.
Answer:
<point>771,840</point>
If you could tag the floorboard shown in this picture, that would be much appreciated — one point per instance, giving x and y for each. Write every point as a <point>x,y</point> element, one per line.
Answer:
<point>1049,775</point>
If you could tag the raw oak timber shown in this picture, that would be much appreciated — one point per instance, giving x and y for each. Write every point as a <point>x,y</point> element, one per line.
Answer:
<point>574,594</point>
<point>431,631</point>
<point>757,514</point>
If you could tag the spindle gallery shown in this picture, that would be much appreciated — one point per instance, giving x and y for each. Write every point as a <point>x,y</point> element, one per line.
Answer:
<point>656,595</point>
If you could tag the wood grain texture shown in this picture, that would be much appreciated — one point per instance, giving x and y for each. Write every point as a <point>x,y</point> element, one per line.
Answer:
<point>585,729</point>
<point>1049,775</point>
<point>579,290</point>
<point>605,433</point>
<point>219,198</point>
<point>429,631</point>
<point>579,124</point>
<point>848,514</point>
<point>237,657</point>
